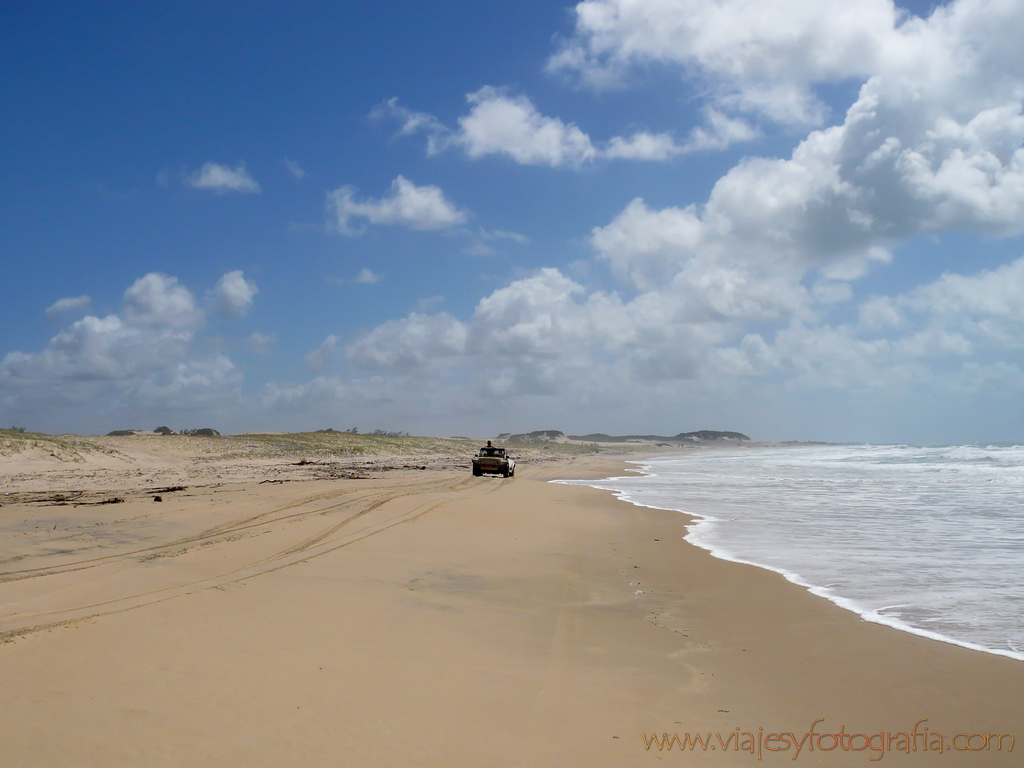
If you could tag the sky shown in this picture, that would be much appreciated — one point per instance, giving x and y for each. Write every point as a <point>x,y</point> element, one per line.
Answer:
<point>797,219</point>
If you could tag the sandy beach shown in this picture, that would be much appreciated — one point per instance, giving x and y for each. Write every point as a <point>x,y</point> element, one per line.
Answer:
<point>270,615</point>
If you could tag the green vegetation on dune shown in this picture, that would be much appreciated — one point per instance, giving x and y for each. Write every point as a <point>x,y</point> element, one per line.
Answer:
<point>337,444</point>
<point>62,447</point>
<point>347,444</point>
<point>311,446</point>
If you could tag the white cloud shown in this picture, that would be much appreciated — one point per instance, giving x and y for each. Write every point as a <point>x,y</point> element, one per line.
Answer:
<point>721,132</point>
<point>414,122</point>
<point>827,292</point>
<point>926,147</point>
<point>158,300</point>
<point>366,277</point>
<point>954,333</point>
<point>759,56</point>
<point>95,348</point>
<point>511,125</point>
<point>143,359</point>
<point>643,146</point>
<point>987,308</point>
<point>320,395</point>
<point>500,234</point>
<point>233,294</point>
<point>764,57</point>
<point>296,170</point>
<point>547,335</point>
<point>407,205</point>
<point>68,306</point>
<point>644,247</point>
<point>259,343</point>
<point>479,246</point>
<point>753,357</point>
<point>412,342</point>
<point>324,355</point>
<point>220,178</point>
<point>533,317</point>
<point>713,269</point>
<point>879,312</point>
<point>973,174</point>
<point>538,334</point>
<point>502,124</point>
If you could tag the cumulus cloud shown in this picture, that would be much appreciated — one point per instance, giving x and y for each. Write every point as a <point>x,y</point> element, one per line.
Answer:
<point>259,343</point>
<point>297,171</point>
<point>948,157</point>
<point>643,146</point>
<point>221,178</point>
<point>696,279</point>
<point>327,353</point>
<point>757,56</point>
<point>991,293</point>
<point>409,343</point>
<point>956,331</point>
<point>645,247</point>
<point>547,335</point>
<point>233,294</point>
<point>145,358</point>
<point>478,245</point>
<point>538,334</point>
<point>500,234</point>
<point>158,300</point>
<point>407,205</point>
<point>720,132</point>
<point>987,308</point>
<point>68,306</point>
<point>499,123</point>
<point>413,122</point>
<point>765,58</point>
<point>366,277</point>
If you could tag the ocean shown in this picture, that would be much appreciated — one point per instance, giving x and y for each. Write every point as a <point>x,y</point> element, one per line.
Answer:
<point>926,539</point>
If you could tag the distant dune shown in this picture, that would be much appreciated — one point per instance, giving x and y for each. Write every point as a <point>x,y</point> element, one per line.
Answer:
<point>557,436</point>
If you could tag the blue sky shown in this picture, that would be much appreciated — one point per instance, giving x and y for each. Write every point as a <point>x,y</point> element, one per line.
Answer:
<point>797,219</point>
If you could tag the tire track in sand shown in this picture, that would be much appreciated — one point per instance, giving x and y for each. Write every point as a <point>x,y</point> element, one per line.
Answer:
<point>332,538</point>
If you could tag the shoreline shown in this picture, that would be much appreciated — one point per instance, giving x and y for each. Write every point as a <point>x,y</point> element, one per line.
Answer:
<point>431,618</point>
<point>847,604</point>
<point>907,653</point>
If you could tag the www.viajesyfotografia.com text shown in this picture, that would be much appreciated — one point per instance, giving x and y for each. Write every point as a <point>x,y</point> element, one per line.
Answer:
<point>761,743</point>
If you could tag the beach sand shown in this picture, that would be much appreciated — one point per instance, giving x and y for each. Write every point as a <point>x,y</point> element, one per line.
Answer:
<point>430,618</point>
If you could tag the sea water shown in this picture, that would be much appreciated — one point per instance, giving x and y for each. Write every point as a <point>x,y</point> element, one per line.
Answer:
<point>929,540</point>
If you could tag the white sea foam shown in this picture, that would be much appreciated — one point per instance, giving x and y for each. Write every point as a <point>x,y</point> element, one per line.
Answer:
<point>928,540</point>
